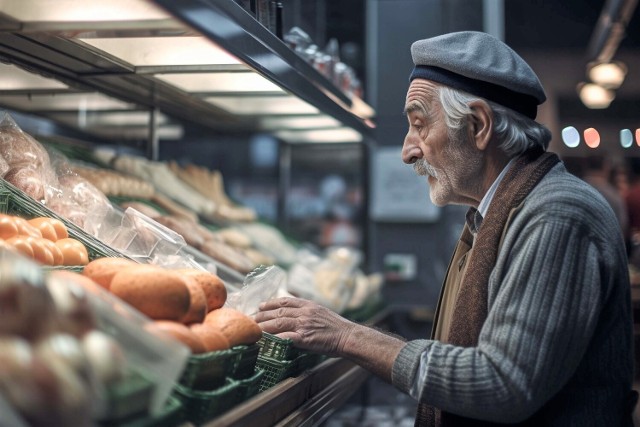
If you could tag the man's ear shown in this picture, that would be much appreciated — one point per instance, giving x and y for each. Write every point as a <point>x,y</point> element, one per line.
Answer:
<point>481,124</point>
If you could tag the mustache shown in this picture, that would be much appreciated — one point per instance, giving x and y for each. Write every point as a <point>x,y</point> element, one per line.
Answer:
<point>422,167</point>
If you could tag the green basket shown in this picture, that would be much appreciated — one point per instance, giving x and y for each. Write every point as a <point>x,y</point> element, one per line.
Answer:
<point>201,406</point>
<point>245,364</point>
<point>307,361</point>
<point>249,387</point>
<point>171,416</point>
<point>277,348</point>
<point>129,397</point>
<point>208,371</point>
<point>274,371</point>
<point>14,202</point>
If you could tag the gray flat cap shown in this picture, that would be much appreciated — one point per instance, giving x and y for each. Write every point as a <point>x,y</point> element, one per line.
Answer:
<point>482,65</point>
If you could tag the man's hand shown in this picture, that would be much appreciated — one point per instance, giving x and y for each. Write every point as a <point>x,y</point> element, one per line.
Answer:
<point>310,326</point>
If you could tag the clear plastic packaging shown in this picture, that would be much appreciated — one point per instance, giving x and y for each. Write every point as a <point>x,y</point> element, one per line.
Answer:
<point>71,353</point>
<point>159,358</point>
<point>262,284</point>
<point>23,161</point>
<point>328,279</point>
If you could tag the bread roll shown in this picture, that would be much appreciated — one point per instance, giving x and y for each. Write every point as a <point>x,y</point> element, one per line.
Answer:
<point>237,327</point>
<point>213,287</point>
<point>73,251</point>
<point>102,270</point>
<point>198,307</point>
<point>211,337</point>
<point>158,293</point>
<point>180,332</point>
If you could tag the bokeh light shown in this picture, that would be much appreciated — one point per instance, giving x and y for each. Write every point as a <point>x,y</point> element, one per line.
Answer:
<point>626,138</point>
<point>571,136</point>
<point>591,138</point>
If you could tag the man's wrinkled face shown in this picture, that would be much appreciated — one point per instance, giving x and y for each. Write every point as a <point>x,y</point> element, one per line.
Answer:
<point>449,165</point>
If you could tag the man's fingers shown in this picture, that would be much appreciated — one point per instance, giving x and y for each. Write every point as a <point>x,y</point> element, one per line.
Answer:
<point>282,302</point>
<point>278,325</point>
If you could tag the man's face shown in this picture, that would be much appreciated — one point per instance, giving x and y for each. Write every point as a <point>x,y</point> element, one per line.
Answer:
<point>452,167</point>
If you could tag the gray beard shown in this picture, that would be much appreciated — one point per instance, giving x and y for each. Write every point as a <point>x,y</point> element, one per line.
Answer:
<point>423,168</point>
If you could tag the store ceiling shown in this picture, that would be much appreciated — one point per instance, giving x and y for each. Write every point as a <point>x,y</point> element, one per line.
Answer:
<point>559,35</point>
<point>553,24</point>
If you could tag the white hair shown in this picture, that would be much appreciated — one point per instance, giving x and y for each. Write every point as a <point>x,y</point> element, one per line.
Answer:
<point>515,132</point>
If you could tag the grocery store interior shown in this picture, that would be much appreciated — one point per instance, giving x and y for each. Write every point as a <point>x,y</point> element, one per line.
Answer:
<point>254,146</point>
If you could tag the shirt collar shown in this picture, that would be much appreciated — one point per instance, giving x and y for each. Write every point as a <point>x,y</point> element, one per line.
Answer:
<point>483,207</point>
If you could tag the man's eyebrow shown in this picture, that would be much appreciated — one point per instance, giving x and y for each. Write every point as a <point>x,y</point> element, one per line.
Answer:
<point>414,107</point>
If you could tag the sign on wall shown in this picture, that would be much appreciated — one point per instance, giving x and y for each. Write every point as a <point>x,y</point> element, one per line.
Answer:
<point>397,193</point>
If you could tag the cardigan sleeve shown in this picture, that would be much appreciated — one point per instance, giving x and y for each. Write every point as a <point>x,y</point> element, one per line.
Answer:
<point>545,298</point>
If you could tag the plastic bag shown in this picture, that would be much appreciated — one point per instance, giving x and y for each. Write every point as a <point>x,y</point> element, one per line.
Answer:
<point>328,280</point>
<point>23,161</point>
<point>75,198</point>
<point>262,284</point>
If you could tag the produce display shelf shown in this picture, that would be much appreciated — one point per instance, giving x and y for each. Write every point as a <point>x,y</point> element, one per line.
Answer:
<point>306,399</point>
<point>14,201</point>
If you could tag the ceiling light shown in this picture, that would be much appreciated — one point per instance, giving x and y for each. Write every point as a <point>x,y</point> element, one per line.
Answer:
<point>163,51</point>
<point>65,102</point>
<point>608,75</point>
<point>220,82</point>
<point>308,122</point>
<point>82,10</point>
<point>14,78</point>
<point>263,105</point>
<point>326,135</point>
<point>594,96</point>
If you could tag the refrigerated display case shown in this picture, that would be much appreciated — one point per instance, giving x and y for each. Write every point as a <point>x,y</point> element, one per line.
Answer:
<point>137,72</point>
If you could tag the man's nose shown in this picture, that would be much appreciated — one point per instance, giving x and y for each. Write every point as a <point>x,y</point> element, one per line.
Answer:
<point>411,152</point>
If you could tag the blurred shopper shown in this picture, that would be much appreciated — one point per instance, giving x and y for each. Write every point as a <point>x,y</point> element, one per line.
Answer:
<point>598,174</point>
<point>533,327</point>
<point>632,200</point>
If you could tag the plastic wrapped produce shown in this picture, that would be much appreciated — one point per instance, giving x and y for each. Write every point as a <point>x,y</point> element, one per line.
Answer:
<point>25,163</point>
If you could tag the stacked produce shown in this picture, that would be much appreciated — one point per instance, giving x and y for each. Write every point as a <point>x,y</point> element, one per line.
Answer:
<point>114,183</point>
<point>42,239</point>
<point>54,363</point>
<point>186,304</point>
<point>23,161</point>
<point>26,164</point>
<point>210,184</point>
<point>228,246</point>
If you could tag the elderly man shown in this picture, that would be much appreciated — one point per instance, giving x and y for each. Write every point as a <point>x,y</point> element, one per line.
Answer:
<point>533,326</point>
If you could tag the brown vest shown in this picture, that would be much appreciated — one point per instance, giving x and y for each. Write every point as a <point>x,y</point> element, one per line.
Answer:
<point>469,272</point>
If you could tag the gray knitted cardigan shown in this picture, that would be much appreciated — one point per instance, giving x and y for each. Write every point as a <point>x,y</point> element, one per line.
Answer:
<point>557,342</point>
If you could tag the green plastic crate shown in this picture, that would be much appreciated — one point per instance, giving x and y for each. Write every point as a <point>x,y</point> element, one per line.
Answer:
<point>249,387</point>
<point>207,371</point>
<point>245,365</point>
<point>171,416</point>
<point>128,397</point>
<point>274,371</point>
<point>307,361</point>
<point>201,406</point>
<point>277,348</point>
